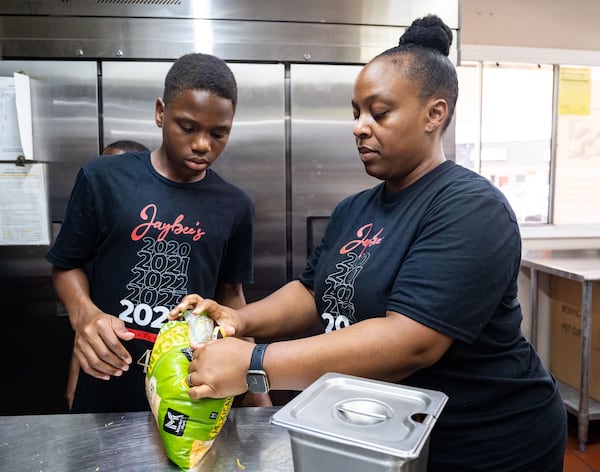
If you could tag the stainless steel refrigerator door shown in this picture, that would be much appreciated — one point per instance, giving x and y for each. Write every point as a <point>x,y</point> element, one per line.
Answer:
<point>325,163</point>
<point>65,120</point>
<point>337,31</point>
<point>65,135</point>
<point>254,158</point>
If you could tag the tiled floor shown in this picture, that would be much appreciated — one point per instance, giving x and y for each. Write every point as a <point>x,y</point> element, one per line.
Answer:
<point>589,460</point>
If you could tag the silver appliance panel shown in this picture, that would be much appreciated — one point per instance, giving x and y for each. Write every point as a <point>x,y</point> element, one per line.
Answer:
<point>129,92</point>
<point>348,31</point>
<point>325,163</point>
<point>65,120</point>
<point>254,158</point>
<point>168,38</point>
<point>381,12</point>
<point>65,135</point>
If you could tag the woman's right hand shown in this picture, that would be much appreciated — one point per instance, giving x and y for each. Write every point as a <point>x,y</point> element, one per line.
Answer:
<point>227,318</point>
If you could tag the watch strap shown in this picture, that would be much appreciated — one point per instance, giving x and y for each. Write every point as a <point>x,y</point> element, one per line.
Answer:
<point>258,355</point>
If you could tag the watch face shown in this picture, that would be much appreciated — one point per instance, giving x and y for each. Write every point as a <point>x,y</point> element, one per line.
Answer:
<point>257,382</point>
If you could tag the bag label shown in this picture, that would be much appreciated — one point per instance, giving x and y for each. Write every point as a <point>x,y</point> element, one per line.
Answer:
<point>174,422</point>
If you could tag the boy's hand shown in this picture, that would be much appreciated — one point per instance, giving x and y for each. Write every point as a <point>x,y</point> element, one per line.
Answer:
<point>98,346</point>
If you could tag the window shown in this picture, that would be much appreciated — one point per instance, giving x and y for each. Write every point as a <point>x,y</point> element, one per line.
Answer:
<point>504,131</point>
<point>577,176</point>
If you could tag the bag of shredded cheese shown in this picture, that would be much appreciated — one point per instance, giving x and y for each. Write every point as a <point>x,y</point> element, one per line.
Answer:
<point>187,427</point>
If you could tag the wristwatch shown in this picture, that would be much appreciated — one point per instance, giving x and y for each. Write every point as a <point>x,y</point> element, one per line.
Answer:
<point>256,377</point>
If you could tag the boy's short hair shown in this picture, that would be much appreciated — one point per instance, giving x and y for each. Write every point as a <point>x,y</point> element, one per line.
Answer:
<point>197,71</point>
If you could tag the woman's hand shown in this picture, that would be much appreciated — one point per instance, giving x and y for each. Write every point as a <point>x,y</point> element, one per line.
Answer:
<point>227,318</point>
<point>218,368</point>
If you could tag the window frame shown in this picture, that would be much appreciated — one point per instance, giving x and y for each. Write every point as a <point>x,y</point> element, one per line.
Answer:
<point>480,55</point>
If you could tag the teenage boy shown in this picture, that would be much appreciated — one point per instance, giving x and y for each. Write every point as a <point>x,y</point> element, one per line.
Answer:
<point>150,228</point>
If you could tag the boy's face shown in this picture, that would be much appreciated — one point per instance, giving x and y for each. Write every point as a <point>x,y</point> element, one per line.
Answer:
<point>195,126</point>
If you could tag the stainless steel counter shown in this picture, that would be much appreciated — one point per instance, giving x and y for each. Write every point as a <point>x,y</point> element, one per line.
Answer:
<point>581,265</point>
<point>130,442</point>
<point>574,264</point>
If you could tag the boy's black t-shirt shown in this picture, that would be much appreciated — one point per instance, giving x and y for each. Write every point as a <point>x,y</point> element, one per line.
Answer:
<point>445,252</point>
<point>145,242</point>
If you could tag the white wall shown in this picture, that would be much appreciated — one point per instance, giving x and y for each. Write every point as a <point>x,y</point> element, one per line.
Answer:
<point>553,24</point>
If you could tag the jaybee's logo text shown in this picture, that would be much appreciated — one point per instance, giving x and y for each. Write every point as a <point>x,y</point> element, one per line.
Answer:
<point>366,238</point>
<point>149,216</point>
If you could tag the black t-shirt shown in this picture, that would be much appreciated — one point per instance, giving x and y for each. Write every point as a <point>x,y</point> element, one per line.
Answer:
<point>145,242</point>
<point>445,252</point>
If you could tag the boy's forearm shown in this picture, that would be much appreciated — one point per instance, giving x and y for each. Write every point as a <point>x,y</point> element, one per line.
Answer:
<point>72,288</point>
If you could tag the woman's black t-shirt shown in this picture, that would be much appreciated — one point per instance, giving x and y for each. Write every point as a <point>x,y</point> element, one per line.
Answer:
<point>445,252</point>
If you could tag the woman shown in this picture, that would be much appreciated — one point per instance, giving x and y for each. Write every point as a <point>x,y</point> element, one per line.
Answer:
<point>415,281</point>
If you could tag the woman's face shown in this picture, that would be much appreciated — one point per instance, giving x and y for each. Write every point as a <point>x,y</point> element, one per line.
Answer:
<point>397,135</point>
<point>196,125</point>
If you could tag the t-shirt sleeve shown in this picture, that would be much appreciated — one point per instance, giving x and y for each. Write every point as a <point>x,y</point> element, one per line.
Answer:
<point>74,243</point>
<point>466,253</point>
<point>237,266</point>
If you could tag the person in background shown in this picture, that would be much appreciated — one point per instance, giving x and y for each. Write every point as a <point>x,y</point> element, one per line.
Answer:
<point>148,228</point>
<point>414,282</point>
<point>123,146</point>
<point>117,147</point>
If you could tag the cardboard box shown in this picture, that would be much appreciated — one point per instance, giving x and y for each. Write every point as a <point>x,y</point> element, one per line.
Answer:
<point>565,334</point>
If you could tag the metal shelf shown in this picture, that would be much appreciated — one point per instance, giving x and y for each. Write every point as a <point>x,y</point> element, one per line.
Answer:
<point>581,265</point>
<point>570,398</point>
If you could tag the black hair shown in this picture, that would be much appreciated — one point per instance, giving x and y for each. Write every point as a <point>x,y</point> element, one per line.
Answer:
<point>427,43</point>
<point>126,145</point>
<point>197,71</point>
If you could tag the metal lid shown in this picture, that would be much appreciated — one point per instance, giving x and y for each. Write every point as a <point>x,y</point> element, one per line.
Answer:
<point>381,416</point>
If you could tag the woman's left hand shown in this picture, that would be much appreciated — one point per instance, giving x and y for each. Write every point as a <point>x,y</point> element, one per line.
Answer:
<point>218,368</point>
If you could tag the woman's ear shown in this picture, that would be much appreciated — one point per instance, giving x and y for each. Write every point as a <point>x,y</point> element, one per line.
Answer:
<point>437,113</point>
<point>159,110</point>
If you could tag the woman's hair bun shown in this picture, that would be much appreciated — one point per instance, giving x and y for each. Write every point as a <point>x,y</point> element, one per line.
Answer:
<point>429,31</point>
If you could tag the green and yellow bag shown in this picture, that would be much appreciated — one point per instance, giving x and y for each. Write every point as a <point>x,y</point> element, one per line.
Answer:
<point>187,427</point>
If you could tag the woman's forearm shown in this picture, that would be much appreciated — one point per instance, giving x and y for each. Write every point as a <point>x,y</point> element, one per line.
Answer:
<point>289,311</point>
<point>388,348</point>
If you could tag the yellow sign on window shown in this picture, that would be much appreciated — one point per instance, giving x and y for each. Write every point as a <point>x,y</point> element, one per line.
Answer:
<point>574,91</point>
